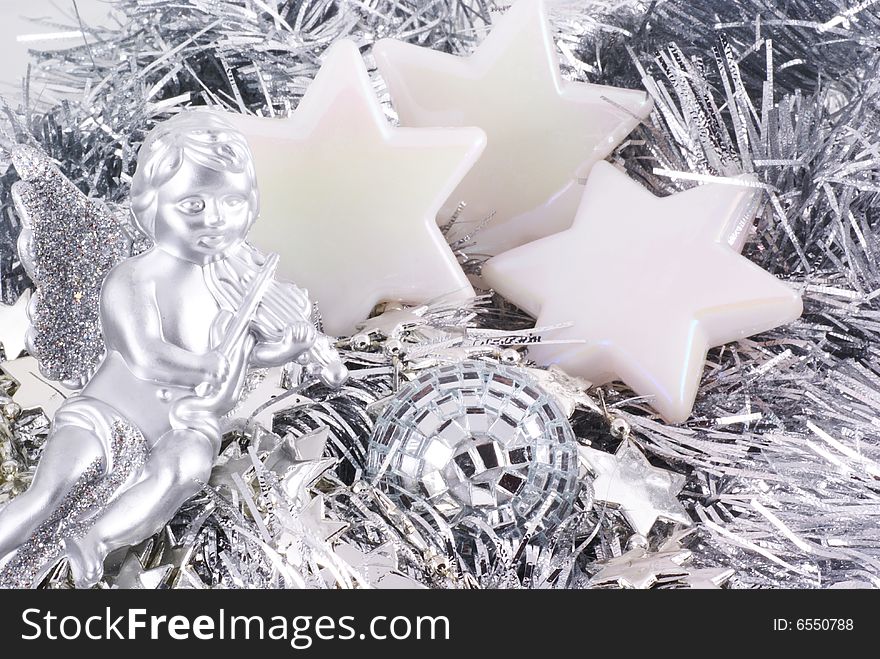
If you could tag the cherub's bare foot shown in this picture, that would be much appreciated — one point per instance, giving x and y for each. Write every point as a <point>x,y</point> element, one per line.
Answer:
<point>86,562</point>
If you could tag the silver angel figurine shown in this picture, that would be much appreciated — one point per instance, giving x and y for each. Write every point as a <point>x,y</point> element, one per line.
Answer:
<point>182,323</point>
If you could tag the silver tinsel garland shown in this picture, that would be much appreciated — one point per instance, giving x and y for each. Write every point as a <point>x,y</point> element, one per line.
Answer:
<point>781,452</point>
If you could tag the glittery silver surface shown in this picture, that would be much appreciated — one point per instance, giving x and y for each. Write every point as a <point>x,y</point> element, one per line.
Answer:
<point>94,489</point>
<point>68,243</point>
<point>478,439</point>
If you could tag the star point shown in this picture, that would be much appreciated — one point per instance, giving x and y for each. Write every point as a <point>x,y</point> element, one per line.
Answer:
<point>350,202</point>
<point>14,325</point>
<point>708,578</point>
<point>544,133</point>
<point>648,284</point>
<point>35,391</point>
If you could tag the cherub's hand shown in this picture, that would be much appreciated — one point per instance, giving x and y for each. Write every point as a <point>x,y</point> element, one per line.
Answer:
<point>298,337</point>
<point>295,340</point>
<point>215,370</point>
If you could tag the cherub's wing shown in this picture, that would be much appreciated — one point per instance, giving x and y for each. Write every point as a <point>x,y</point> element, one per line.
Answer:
<point>68,244</point>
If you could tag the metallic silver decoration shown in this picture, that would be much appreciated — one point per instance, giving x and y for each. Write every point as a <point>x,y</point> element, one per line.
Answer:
<point>708,578</point>
<point>182,323</point>
<point>16,471</point>
<point>640,568</point>
<point>379,566</point>
<point>788,91</point>
<point>33,391</point>
<point>668,567</point>
<point>295,462</point>
<point>14,325</point>
<point>432,564</point>
<point>570,392</point>
<point>278,534</point>
<point>132,575</point>
<point>73,517</point>
<point>265,518</point>
<point>393,322</point>
<point>478,439</point>
<point>68,243</point>
<point>263,395</point>
<point>626,480</point>
<point>313,514</point>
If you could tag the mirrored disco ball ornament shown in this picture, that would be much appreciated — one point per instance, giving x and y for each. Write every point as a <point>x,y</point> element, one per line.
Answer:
<point>478,439</point>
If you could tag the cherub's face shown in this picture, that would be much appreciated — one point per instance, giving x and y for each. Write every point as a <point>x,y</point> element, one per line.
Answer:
<point>201,213</point>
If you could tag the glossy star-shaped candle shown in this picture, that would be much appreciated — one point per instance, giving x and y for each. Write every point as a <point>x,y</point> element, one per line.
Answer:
<point>350,202</point>
<point>649,285</point>
<point>544,133</point>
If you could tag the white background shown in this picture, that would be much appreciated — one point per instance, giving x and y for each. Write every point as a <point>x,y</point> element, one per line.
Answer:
<point>13,15</point>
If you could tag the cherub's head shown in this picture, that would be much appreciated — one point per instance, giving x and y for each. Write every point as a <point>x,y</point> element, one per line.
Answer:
<point>195,191</point>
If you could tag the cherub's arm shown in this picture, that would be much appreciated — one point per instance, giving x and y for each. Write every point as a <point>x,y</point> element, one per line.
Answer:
<point>131,323</point>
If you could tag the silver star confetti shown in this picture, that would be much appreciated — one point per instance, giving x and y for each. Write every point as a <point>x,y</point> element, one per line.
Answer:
<point>260,401</point>
<point>708,578</point>
<point>639,568</point>
<point>313,515</point>
<point>393,323</point>
<point>132,574</point>
<point>35,392</point>
<point>297,462</point>
<point>14,325</point>
<point>642,492</point>
<point>378,566</point>
<point>570,392</point>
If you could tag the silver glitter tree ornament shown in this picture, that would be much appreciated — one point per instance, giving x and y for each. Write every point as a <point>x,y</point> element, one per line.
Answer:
<point>478,439</point>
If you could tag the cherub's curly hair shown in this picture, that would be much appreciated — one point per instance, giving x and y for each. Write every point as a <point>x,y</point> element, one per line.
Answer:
<point>200,136</point>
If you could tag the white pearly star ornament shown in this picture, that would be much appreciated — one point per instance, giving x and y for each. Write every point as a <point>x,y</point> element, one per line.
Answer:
<point>648,284</point>
<point>349,202</point>
<point>544,133</point>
